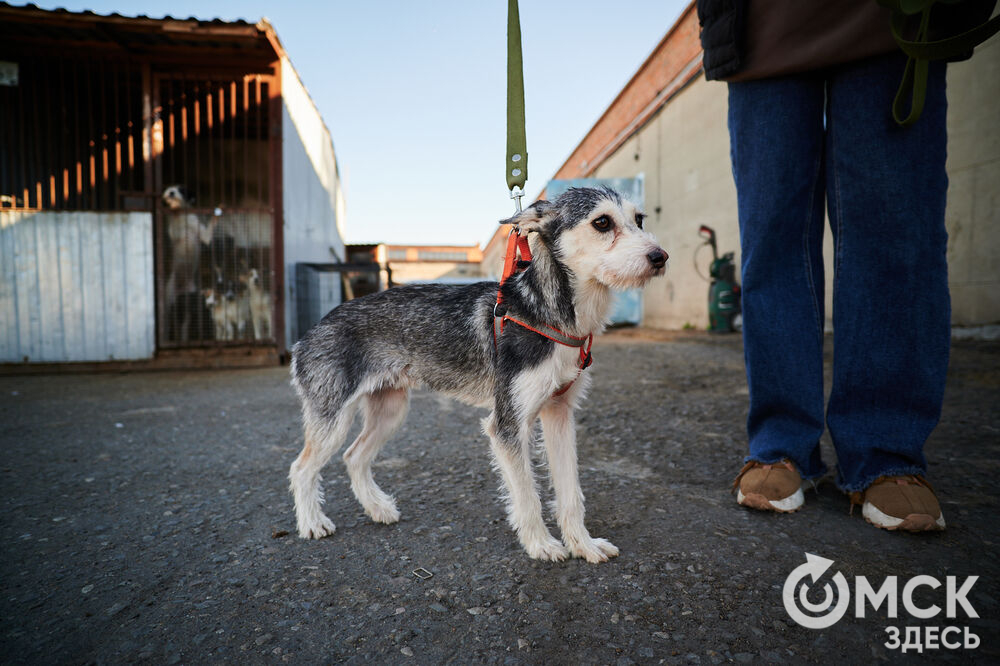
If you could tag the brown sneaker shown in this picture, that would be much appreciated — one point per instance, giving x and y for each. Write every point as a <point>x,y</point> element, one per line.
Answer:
<point>769,486</point>
<point>905,502</point>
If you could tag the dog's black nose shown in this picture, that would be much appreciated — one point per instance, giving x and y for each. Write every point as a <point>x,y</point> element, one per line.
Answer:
<point>658,258</point>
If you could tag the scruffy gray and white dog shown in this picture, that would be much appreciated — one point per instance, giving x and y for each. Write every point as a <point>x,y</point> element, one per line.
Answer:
<point>368,353</point>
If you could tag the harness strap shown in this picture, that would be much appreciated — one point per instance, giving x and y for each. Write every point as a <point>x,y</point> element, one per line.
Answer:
<point>517,245</point>
<point>585,360</point>
<point>545,331</point>
<point>555,335</point>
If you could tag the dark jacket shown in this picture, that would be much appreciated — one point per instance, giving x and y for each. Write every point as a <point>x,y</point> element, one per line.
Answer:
<point>723,28</point>
<point>725,23</point>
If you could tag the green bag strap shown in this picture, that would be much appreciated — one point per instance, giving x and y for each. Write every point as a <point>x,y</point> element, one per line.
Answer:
<point>914,86</point>
<point>914,83</point>
<point>921,51</point>
<point>517,143</point>
<point>951,47</point>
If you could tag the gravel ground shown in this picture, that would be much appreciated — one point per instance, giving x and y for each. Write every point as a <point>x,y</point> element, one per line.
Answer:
<point>145,518</point>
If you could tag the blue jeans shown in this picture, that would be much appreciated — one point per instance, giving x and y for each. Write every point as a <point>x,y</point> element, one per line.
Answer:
<point>799,142</point>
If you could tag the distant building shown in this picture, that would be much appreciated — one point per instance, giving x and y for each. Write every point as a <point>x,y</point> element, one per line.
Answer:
<point>494,253</point>
<point>159,181</point>
<point>362,283</point>
<point>378,266</point>
<point>434,263</point>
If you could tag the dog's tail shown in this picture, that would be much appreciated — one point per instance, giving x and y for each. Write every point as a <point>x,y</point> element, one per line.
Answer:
<point>293,370</point>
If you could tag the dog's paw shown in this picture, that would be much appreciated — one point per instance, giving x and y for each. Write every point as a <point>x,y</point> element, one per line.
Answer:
<point>323,527</point>
<point>549,550</point>
<point>594,551</point>
<point>384,512</point>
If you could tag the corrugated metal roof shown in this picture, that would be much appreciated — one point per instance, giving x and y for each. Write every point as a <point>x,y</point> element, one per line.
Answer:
<point>115,15</point>
<point>30,25</point>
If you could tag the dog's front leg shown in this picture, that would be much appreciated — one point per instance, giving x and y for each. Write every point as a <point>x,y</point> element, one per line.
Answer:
<point>559,431</point>
<point>510,442</point>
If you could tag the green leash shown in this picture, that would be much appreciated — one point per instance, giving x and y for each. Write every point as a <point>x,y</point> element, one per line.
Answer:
<point>517,143</point>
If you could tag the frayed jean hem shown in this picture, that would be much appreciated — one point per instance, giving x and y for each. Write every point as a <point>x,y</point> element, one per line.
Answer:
<point>766,460</point>
<point>913,470</point>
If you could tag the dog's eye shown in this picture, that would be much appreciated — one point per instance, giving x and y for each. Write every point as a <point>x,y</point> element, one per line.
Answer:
<point>639,217</point>
<point>602,224</point>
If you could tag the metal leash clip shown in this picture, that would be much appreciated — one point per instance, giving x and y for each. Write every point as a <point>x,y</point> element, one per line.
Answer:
<point>516,193</point>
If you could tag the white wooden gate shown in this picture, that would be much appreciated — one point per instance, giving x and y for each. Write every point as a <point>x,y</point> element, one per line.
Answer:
<point>76,286</point>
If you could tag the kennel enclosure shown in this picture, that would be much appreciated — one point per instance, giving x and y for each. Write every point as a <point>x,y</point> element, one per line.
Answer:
<point>100,116</point>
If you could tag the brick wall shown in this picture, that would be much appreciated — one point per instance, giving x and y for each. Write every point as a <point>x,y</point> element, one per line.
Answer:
<point>674,62</point>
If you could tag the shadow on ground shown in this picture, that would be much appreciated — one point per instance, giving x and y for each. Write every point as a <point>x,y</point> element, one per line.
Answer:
<point>143,517</point>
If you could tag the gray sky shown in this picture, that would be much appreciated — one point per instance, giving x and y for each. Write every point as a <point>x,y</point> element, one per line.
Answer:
<point>414,95</point>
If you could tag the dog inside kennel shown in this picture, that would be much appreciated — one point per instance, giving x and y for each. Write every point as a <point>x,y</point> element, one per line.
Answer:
<point>213,223</point>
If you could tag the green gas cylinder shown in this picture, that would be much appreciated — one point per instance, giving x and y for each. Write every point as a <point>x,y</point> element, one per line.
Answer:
<point>723,295</point>
<point>724,313</point>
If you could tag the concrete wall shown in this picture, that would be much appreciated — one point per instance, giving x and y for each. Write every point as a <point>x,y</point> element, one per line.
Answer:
<point>76,287</point>
<point>313,195</point>
<point>683,151</point>
<point>973,214</point>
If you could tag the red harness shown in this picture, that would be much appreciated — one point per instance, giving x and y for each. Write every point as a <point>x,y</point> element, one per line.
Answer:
<point>517,244</point>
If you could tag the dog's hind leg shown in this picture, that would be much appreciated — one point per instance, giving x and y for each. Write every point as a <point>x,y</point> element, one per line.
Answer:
<point>559,432</point>
<point>385,411</point>
<point>322,439</point>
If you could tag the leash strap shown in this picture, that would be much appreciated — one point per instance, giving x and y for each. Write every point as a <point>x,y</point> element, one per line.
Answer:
<point>517,176</point>
<point>517,143</point>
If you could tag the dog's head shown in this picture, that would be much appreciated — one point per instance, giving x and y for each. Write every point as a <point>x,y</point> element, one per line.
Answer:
<point>177,196</point>
<point>597,234</point>
<point>249,278</point>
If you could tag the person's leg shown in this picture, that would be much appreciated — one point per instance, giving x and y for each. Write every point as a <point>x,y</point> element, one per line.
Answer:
<point>886,188</point>
<point>776,141</point>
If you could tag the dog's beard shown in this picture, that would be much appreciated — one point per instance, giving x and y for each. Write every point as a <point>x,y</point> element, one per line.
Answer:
<point>633,276</point>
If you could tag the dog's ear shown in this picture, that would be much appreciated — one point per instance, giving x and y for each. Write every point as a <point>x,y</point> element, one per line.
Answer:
<point>532,218</point>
